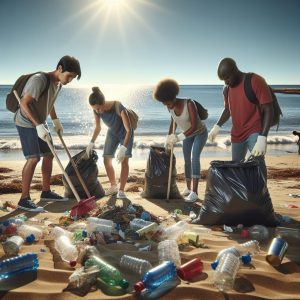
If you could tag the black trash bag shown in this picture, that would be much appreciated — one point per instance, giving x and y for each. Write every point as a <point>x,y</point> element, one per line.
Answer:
<point>88,170</point>
<point>237,193</point>
<point>157,175</point>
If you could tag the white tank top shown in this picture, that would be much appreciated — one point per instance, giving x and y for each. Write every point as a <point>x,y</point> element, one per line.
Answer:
<point>183,121</point>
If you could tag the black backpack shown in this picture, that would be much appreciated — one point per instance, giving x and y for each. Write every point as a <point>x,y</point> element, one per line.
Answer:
<point>202,112</point>
<point>12,103</point>
<point>253,99</point>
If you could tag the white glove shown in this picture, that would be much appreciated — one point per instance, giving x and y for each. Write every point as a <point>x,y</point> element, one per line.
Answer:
<point>121,154</point>
<point>260,146</point>
<point>57,126</point>
<point>213,133</point>
<point>173,139</point>
<point>89,149</point>
<point>43,132</point>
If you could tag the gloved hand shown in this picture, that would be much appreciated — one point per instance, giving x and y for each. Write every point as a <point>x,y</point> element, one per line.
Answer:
<point>173,139</point>
<point>57,126</point>
<point>260,146</point>
<point>213,133</point>
<point>89,149</point>
<point>43,132</point>
<point>121,154</point>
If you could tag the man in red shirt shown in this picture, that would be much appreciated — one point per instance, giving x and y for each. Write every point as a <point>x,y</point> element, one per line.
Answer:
<point>250,122</point>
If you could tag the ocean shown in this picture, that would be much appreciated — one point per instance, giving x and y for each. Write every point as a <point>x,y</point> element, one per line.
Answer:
<point>78,121</point>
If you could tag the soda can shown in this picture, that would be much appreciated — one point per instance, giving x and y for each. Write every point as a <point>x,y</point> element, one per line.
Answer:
<point>276,251</point>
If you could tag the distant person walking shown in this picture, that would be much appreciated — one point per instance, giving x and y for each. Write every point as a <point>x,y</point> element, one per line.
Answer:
<point>119,133</point>
<point>193,136</point>
<point>298,142</point>
<point>250,122</point>
<point>37,102</point>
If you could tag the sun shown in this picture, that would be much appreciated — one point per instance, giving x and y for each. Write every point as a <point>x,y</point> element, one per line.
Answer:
<point>114,3</point>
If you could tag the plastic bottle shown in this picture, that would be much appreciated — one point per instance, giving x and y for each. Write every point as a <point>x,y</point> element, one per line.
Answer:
<point>82,277</point>
<point>174,231</point>
<point>18,264</point>
<point>12,245</point>
<point>107,272</point>
<point>168,251</point>
<point>58,231</point>
<point>287,233</point>
<point>157,276</point>
<point>99,225</point>
<point>226,271</point>
<point>191,269</point>
<point>134,264</point>
<point>68,252</point>
<point>259,232</point>
<point>148,230</point>
<point>137,224</point>
<point>30,233</point>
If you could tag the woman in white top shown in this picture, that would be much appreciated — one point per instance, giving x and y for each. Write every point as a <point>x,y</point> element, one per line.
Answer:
<point>193,136</point>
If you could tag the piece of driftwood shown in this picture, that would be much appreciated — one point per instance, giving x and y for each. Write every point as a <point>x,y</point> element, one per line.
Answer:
<point>294,91</point>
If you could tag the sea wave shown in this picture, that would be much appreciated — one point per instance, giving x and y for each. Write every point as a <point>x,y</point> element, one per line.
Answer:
<point>141,142</point>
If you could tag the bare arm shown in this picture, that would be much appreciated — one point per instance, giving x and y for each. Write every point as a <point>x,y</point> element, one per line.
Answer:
<point>25,106</point>
<point>267,113</point>
<point>224,117</point>
<point>171,126</point>
<point>127,126</point>
<point>97,128</point>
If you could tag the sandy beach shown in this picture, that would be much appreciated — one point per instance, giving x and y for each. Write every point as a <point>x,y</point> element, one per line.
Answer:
<point>258,281</point>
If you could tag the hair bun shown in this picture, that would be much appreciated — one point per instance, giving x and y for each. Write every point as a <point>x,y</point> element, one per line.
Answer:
<point>96,90</point>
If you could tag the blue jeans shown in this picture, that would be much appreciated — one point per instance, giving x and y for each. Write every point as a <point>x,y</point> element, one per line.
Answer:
<point>112,142</point>
<point>32,145</point>
<point>192,146</point>
<point>239,150</point>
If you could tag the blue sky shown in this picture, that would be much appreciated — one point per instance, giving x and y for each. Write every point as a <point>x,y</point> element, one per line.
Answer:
<point>140,41</point>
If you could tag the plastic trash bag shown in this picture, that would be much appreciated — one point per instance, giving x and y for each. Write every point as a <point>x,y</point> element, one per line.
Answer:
<point>237,193</point>
<point>157,175</point>
<point>88,170</point>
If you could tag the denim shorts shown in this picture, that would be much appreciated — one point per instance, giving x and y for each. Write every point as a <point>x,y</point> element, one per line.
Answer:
<point>32,145</point>
<point>112,142</point>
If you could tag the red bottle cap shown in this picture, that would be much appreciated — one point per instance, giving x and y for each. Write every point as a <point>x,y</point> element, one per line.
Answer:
<point>73,263</point>
<point>190,269</point>
<point>139,286</point>
<point>244,233</point>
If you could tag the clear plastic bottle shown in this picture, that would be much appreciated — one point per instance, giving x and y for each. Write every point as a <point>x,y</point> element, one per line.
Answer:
<point>168,251</point>
<point>18,264</point>
<point>30,233</point>
<point>108,273</point>
<point>157,276</point>
<point>58,231</point>
<point>226,271</point>
<point>148,230</point>
<point>174,231</point>
<point>137,224</point>
<point>287,233</point>
<point>99,225</point>
<point>259,232</point>
<point>134,264</point>
<point>68,252</point>
<point>12,245</point>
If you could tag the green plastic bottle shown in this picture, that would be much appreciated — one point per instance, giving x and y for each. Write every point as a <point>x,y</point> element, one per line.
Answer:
<point>107,272</point>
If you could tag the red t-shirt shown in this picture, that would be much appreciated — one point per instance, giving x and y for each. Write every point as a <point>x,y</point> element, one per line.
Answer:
<point>246,117</point>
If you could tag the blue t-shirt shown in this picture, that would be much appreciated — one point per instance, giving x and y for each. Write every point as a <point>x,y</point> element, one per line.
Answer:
<point>113,121</point>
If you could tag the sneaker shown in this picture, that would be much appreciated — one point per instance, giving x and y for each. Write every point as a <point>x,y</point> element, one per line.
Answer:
<point>186,192</point>
<point>51,196</point>
<point>192,197</point>
<point>112,190</point>
<point>121,195</point>
<point>29,205</point>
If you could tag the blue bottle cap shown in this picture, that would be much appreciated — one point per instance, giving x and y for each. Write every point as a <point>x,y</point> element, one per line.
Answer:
<point>84,233</point>
<point>30,239</point>
<point>146,216</point>
<point>214,264</point>
<point>246,259</point>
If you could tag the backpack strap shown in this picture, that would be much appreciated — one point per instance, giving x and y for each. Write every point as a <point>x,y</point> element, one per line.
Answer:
<point>117,110</point>
<point>250,94</point>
